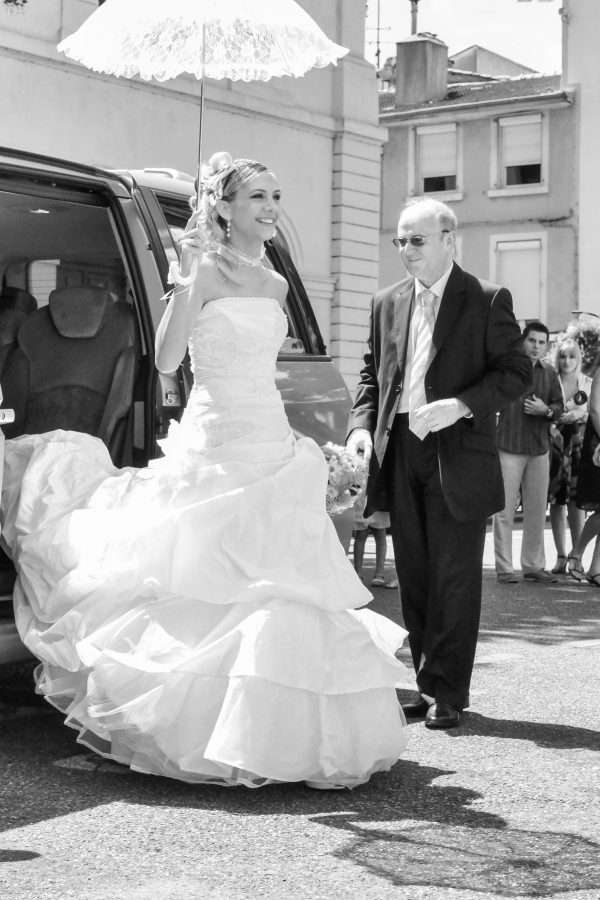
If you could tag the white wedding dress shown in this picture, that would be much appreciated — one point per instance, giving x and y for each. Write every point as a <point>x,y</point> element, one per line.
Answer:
<point>198,618</point>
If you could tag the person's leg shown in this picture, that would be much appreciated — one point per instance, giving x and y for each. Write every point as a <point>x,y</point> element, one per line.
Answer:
<point>439,565</point>
<point>512,465</point>
<point>409,537</point>
<point>534,489</point>
<point>360,539</point>
<point>454,599</point>
<point>593,574</point>
<point>380,538</point>
<point>590,531</point>
<point>559,533</point>
<point>576,520</point>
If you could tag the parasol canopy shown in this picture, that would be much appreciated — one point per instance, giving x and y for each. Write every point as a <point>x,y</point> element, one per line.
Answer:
<point>247,40</point>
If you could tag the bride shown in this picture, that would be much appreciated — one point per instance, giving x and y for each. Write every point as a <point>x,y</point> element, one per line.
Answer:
<point>198,618</point>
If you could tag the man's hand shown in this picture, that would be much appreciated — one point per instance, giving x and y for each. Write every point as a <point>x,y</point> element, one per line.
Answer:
<point>533,406</point>
<point>441,413</point>
<point>360,443</point>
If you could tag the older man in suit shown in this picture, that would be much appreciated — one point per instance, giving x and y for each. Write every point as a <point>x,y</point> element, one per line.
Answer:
<point>444,355</point>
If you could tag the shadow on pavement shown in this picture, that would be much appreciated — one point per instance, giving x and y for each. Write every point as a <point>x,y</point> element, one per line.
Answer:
<point>401,827</point>
<point>540,614</point>
<point>551,736</point>
<point>506,862</point>
<point>535,613</point>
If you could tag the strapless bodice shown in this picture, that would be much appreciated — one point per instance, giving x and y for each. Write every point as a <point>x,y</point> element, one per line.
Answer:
<point>236,340</point>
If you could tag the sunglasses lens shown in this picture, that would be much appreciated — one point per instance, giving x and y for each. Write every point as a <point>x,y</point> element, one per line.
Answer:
<point>416,241</point>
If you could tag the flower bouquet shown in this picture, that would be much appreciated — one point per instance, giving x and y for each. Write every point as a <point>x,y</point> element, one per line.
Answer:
<point>347,478</point>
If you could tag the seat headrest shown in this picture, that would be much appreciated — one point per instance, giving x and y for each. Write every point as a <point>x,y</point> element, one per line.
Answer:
<point>10,322</point>
<point>16,298</point>
<point>79,312</point>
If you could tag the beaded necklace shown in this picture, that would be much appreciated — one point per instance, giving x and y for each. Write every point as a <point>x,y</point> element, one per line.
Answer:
<point>254,262</point>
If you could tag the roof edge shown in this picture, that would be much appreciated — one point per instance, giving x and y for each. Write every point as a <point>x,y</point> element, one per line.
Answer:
<point>568,96</point>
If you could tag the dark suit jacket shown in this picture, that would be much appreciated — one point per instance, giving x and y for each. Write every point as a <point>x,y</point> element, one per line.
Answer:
<point>477,357</point>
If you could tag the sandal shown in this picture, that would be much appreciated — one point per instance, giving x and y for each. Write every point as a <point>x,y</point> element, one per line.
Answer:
<point>561,565</point>
<point>593,579</point>
<point>574,567</point>
<point>393,585</point>
<point>378,581</point>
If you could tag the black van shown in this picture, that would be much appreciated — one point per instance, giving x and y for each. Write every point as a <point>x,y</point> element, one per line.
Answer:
<point>91,249</point>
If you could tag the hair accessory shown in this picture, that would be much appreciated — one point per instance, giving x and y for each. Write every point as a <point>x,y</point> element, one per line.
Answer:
<point>175,276</point>
<point>212,174</point>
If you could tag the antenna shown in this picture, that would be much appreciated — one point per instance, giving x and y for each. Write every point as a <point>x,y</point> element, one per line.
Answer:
<point>378,29</point>
<point>414,6</point>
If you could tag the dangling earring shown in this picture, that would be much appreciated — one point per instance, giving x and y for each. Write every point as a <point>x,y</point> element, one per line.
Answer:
<point>228,230</point>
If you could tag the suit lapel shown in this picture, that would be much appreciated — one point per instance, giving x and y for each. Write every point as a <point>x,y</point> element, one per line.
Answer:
<point>450,307</point>
<point>403,306</point>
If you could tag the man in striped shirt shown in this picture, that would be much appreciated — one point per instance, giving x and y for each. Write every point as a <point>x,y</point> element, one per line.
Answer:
<point>523,443</point>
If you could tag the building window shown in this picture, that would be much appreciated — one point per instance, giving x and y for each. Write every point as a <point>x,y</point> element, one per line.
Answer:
<point>519,154</point>
<point>519,263</point>
<point>436,159</point>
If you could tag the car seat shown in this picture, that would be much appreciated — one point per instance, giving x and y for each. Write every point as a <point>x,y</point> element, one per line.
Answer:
<point>74,367</point>
<point>15,306</point>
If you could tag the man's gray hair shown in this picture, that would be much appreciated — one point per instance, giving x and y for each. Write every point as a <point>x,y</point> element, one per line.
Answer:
<point>446,216</point>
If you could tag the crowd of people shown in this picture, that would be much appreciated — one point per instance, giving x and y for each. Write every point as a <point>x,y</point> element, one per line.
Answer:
<point>547,443</point>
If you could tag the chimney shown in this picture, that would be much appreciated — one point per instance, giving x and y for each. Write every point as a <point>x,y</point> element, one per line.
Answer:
<point>421,69</point>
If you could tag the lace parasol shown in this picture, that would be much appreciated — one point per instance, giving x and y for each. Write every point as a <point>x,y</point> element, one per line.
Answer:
<point>247,40</point>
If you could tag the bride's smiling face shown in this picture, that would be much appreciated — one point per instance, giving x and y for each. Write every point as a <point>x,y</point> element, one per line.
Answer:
<point>255,209</point>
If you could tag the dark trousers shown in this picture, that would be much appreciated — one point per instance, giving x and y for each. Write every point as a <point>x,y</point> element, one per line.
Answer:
<point>439,564</point>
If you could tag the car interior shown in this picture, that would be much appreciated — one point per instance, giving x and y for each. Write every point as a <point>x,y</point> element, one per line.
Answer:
<point>71,348</point>
<point>71,344</point>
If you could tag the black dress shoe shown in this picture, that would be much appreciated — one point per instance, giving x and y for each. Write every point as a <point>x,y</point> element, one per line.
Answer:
<point>416,710</point>
<point>442,715</point>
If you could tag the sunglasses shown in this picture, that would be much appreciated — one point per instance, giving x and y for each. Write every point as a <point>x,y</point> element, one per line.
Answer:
<point>417,240</point>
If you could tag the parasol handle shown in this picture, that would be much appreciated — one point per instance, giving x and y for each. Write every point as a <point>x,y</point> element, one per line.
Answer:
<point>202,61</point>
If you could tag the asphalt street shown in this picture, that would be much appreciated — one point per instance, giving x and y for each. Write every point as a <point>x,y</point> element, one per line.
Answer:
<point>506,806</point>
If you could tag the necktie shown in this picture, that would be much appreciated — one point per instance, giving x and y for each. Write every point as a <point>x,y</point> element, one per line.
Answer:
<point>420,361</point>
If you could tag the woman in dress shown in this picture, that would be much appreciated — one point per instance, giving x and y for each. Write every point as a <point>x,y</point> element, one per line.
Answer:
<point>588,492</point>
<point>199,618</point>
<point>566,450</point>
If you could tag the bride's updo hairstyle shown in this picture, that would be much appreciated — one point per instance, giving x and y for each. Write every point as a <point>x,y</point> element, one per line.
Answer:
<point>220,179</point>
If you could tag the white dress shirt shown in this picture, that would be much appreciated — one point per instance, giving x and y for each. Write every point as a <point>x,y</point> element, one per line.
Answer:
<point>437,289</point>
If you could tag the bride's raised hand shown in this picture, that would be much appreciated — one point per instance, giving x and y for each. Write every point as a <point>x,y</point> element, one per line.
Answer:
<point>193,244</point>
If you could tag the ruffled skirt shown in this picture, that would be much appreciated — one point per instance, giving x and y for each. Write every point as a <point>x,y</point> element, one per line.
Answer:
<point>199,619</point>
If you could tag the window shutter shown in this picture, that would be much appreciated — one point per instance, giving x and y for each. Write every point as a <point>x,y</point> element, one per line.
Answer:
<point>519,268</point>
<point>522,143</point>
<point>437,153</point>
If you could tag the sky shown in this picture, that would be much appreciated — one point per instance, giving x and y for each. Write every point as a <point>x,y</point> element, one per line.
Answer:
<point>526,32</point>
